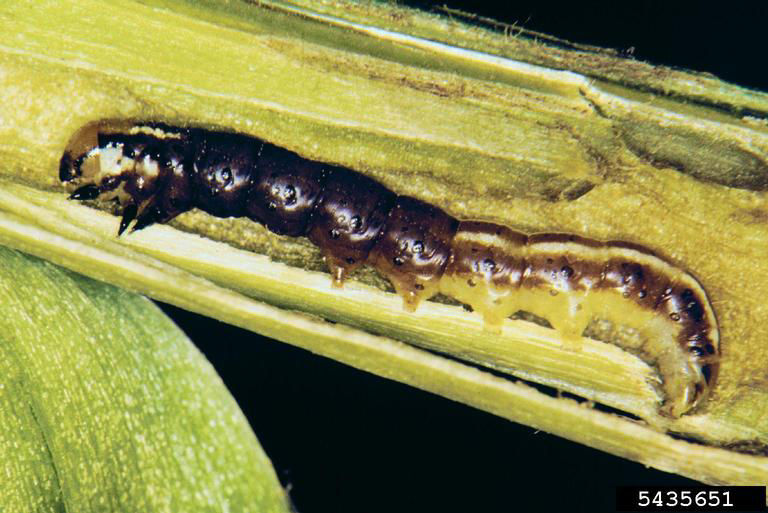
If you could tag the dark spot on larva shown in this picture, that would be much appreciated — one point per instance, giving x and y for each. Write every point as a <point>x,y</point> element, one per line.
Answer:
<point>641,294</point>
<point>706,370</point>
<point>710,349</point>
<point>687,294</point>
<point>418,247</point>
<point>553,292</point>
<point>419,286</point>
<point>567,271</point>
<point>355,223</point>
<point>225,175</point>
<point>695,310</point>
<point>272,206</point>
<point>550,261</point>
<point>696,351</point>
<point>290,195</point>
<point>334,234</point>
<point>471,283</point>
<point>398,261</point>
<point>350,261</point>
<point>110,182</point>
<point>674,316</point>
<point>489,265</point>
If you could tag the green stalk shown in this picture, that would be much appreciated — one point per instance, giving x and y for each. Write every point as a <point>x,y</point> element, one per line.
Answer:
<point>482,135</point>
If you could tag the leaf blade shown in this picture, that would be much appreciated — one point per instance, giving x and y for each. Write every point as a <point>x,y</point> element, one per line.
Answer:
<point>130,413</point>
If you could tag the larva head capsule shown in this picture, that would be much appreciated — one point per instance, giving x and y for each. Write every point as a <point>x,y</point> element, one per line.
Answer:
<point>141,167</point>
<point>120,166</point>
<point>414,249</point>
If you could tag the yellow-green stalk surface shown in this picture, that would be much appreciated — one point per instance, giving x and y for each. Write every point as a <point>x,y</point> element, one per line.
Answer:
<point>483,136</point>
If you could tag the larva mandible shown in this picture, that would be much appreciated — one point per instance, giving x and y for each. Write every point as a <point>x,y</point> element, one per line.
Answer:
<point>158,172</point>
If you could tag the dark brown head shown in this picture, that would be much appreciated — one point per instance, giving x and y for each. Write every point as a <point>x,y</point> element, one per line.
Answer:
<point>121,166</point>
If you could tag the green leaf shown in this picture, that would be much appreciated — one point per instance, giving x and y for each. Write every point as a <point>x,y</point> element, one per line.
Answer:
<point>106,406</point>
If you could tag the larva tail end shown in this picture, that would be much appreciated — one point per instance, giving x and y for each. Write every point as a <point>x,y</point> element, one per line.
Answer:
<point>688,386</point>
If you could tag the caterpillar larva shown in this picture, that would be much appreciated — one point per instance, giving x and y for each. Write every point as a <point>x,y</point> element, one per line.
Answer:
<point>157,172</point>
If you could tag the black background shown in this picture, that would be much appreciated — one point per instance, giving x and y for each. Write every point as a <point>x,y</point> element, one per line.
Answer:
<point>347,441</point>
